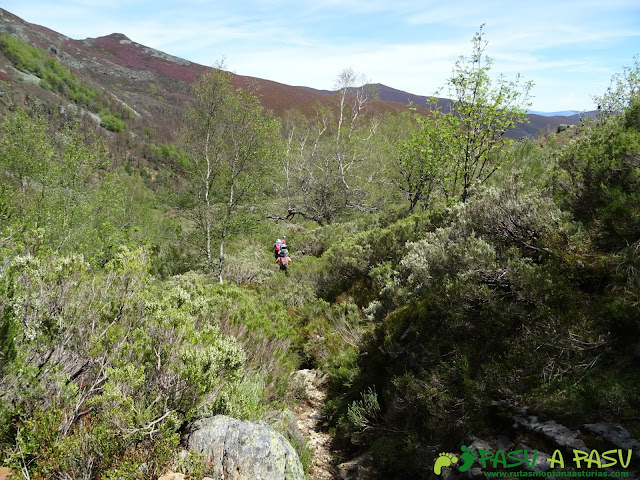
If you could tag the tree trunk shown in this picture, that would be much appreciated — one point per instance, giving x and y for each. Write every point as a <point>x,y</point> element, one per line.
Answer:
<point>224,231</point>
<point>208,240</point>
<point>207,200</point>
<point>221,257</point>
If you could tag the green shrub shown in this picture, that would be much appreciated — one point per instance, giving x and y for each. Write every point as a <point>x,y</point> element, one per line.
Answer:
<point>23,56</point>
<point>365,414</point>
<point>111,122</point>
<point>352,259</point>
<point>138,360</point>
<point>53,75</point>
<point>599,179</point>
<point>495,280</point>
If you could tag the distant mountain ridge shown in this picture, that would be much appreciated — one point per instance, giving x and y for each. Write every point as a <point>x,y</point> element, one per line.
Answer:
<point>157,85</point>
<point>564,113</point>
<point>546,122</point>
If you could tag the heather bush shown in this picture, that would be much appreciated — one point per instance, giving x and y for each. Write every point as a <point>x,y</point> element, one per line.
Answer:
<point>103,367</point>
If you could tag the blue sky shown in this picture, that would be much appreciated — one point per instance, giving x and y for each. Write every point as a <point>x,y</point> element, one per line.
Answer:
<point>569,49</point>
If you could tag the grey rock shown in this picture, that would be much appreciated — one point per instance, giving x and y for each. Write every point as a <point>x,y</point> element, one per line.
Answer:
<point>541,464</point>
<point>503,443</point>
<point>309,376</point>
<point>615,435</point>
<point>360,468</point>
<point>449,473</point>
<point>284,421</point>
<point>558,434</point>
<point>474,444</point>
<point>245,450</point>
<point>474,472</point>
<point>164,56</point>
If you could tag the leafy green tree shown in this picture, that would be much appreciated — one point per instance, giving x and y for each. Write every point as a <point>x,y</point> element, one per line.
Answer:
<point>232,142</point>
<point>60,193</point>
<point>471,130</point>
<point>624,87</point>
<point>418,165</point>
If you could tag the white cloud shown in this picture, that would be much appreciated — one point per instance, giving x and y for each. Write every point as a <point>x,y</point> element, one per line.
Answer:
<point>569,49</point>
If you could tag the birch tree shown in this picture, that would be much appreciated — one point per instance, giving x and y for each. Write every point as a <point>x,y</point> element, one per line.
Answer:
<point>418,167</point>
<point>231,142</point>
<point>328,153</point>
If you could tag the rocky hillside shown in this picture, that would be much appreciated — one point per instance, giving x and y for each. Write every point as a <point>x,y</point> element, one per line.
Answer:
<point>156,85</point>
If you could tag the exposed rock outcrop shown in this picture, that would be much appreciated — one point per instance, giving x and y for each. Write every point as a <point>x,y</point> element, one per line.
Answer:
<point>245,450</point>
<point>615,435</point>
<point>559,435</point>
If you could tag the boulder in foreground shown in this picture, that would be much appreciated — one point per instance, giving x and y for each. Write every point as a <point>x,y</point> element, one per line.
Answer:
<point>245,450</point>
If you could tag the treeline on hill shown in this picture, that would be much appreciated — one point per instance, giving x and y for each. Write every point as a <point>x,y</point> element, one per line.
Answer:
<point>441,274</point>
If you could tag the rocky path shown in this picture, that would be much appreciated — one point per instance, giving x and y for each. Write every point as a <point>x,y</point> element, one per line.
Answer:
<point>310,421</point>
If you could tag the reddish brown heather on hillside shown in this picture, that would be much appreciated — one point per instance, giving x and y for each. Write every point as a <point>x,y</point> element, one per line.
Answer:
<point>156,83</point>
<point>120,50</point>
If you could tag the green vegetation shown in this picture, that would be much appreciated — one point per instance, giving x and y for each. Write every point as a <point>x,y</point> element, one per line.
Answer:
<point>329,159</point>
<point>231,143</point>
<point>53,76</point>
<point>22,55</point>
<point>59,79</point>
<point>438,285</point>
<point>113,123</point>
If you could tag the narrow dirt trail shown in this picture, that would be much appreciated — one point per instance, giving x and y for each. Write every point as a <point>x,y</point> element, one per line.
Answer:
<point>310,422</point>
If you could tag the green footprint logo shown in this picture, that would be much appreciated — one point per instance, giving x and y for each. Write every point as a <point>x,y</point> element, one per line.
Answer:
<point>467,457</point>
<point>444,460</point>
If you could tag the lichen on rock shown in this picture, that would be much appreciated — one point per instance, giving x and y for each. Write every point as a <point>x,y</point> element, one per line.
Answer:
<point>245,450</point>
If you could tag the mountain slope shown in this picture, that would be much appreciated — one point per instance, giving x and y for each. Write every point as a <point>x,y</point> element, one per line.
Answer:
<point>546,123</point>
<point>151,82</point>
<point>156,85</point>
